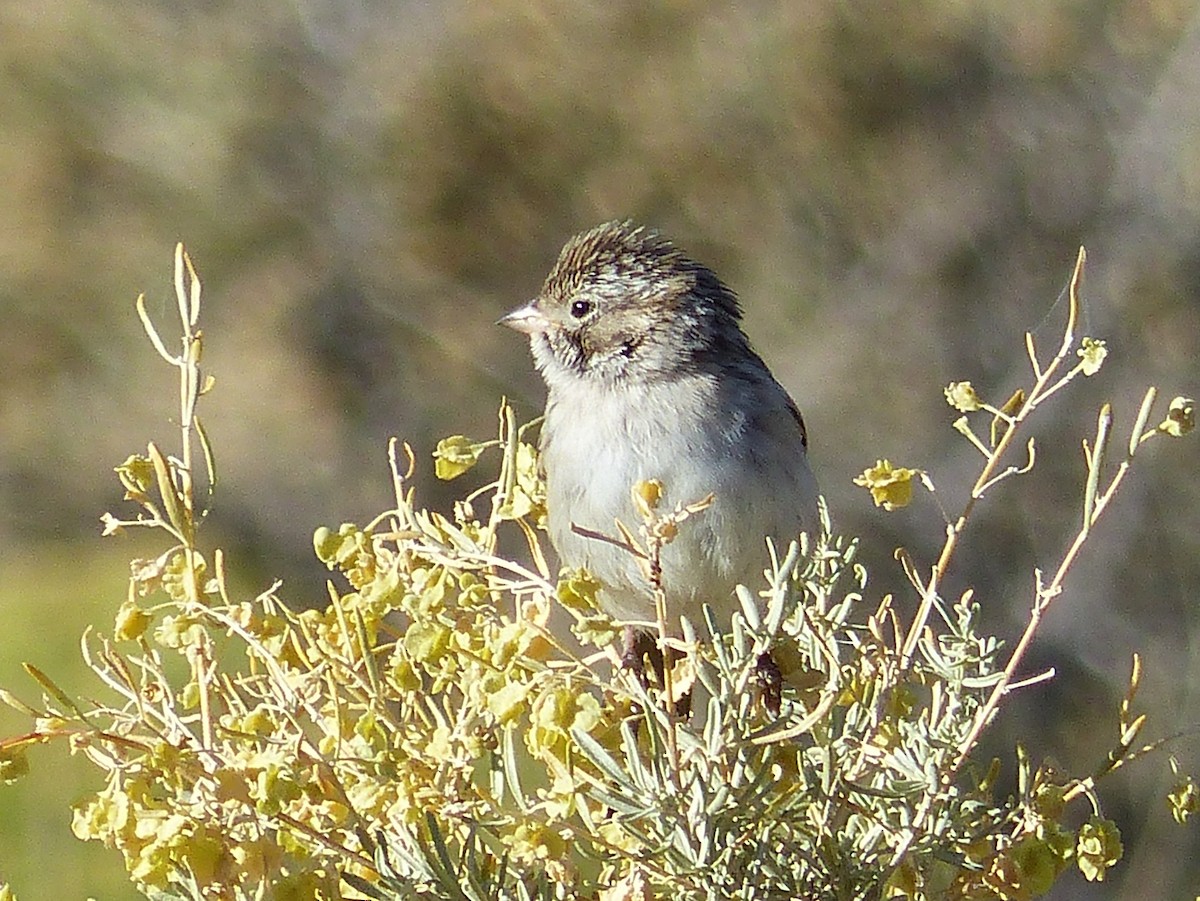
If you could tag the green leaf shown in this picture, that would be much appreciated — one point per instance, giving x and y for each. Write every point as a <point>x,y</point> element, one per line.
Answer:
<point>1181,417</point>
<point>1098,848</point>
<point>455,455</point>
<point>1092,353</point>
<point>890,486</point>
<point>962,397</point>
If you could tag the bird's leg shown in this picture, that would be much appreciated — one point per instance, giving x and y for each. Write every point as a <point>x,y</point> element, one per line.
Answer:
<point>637,647</point>
<point>770,679</point>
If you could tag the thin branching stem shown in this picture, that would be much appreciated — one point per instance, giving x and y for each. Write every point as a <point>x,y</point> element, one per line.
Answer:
<point>987,477</point>
<point>1095,503</point>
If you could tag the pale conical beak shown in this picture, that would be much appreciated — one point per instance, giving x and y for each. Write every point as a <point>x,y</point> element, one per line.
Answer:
<point>527,319</point>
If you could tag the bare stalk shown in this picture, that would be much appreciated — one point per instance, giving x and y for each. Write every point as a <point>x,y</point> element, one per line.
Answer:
<point>1044,385</point>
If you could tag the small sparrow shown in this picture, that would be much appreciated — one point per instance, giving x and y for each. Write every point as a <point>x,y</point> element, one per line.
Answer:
<point>650,376</point>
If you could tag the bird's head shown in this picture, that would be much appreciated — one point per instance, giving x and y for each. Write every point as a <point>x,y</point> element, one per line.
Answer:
<point>623,303</point>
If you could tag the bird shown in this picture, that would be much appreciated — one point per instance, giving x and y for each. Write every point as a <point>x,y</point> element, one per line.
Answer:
<point>650,376</point>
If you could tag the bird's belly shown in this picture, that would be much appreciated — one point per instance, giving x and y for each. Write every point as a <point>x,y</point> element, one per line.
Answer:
<point>591,467</point>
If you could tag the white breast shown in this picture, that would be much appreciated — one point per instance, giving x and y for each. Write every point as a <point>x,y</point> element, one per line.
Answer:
<point>693,436</point>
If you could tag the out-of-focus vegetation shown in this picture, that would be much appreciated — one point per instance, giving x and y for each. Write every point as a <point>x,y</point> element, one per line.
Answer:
<point>49,595</point>
<point>895,190</point>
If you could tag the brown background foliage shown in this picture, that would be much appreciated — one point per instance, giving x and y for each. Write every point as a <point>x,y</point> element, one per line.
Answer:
<point>896,189</point>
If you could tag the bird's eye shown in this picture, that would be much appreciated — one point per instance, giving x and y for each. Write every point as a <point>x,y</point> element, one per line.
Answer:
<point>581,308</point>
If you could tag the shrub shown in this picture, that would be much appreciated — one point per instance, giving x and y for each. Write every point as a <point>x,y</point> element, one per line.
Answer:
<point>428,733</point>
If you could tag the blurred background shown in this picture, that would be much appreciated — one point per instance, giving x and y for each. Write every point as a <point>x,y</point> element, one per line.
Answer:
<point>897,190</point>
